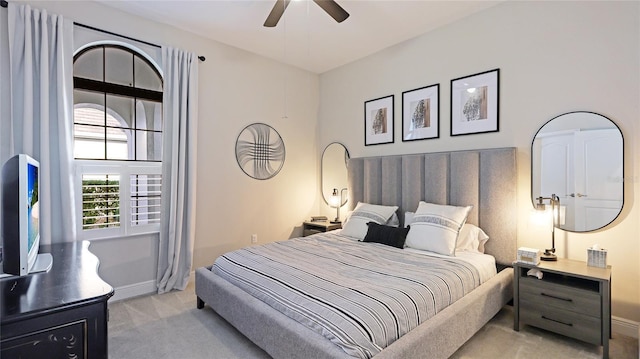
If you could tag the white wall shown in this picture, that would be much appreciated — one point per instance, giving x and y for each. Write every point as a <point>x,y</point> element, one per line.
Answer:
<point>236,88</point>
<point>554,57</point>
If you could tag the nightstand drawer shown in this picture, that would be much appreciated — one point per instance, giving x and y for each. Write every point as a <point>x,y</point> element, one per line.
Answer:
<point>562,297</point>
<point>575,325</point>
<point>308,232</point>
<point>309,228</point>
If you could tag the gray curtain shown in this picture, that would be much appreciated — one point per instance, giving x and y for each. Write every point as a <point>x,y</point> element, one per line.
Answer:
<point>41,107</point>
<point>177,223</point>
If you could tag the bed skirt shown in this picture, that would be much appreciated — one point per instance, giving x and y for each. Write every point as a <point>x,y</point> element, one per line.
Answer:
<point>281,337</point>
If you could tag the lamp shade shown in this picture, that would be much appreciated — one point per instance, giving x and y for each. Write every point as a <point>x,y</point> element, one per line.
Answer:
<point>334,200</point>
<point>542,218</point>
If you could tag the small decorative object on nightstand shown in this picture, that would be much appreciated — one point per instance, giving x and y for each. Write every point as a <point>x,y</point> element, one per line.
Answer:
<point>313,227</point>
<point>565,296</point>
<point>529,255</point>
<point>597,257</point>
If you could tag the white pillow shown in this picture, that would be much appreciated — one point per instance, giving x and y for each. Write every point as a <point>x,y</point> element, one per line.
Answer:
<point>346,218</point>
<point>393,221</point>
<point>435,227</point>
<point>471,239</point>
<point>356,226</point>
<point>408,218</point>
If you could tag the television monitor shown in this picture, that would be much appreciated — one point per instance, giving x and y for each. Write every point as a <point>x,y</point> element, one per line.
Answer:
<point>21,217</point>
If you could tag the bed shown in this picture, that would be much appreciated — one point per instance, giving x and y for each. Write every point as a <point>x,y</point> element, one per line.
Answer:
<point>484,179</point>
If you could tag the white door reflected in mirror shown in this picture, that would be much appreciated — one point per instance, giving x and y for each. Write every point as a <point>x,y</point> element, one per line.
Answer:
<point>579,157</point>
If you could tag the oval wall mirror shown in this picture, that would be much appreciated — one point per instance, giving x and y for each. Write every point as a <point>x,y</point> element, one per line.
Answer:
<point>579,157</point>
<point>334,170</point>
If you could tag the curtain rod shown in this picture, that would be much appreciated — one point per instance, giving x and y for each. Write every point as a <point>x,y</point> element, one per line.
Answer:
<point>4,3</point>
<point>201,58</point>
<point>114,34</point>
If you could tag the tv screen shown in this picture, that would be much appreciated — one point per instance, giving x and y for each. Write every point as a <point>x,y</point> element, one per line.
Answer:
<point>20,215</point>
<point>33,210</point>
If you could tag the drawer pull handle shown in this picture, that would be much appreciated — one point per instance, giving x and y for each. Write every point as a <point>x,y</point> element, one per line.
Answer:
<point>557,321</point>
<point>555,297</point>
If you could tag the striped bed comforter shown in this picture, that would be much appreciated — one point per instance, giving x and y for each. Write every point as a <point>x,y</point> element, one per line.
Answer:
<point>360,296</point>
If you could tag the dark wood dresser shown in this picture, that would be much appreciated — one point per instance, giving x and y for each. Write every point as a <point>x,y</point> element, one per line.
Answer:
<point>61,313</point>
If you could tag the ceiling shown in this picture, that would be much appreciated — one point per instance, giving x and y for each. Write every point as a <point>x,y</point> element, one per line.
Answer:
<point>306,36</point>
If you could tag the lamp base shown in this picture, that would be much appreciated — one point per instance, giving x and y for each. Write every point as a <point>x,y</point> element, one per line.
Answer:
<point>335,222</point>
<point>548,255</point>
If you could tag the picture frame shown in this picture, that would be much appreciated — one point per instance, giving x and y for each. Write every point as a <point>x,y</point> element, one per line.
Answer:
<point>475,103</point>
<point>421,113</point>
<point>378,121</point>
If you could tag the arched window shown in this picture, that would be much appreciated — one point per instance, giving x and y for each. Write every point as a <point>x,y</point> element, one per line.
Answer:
<point>117,130</point>
<point>89,138</point>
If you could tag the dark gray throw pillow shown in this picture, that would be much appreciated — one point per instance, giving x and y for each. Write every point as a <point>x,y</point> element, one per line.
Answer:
<point>391,236</point>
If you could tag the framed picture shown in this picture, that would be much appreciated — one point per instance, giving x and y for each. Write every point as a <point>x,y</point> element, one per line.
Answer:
<point>378,121</point>
<point>421,113</point>
<point>474,103</point>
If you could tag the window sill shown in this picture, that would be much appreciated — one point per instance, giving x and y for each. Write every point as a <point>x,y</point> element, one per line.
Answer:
<point>110,236</point>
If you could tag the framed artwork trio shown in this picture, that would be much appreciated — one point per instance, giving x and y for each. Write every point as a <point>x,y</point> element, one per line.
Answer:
<point>474,108</point>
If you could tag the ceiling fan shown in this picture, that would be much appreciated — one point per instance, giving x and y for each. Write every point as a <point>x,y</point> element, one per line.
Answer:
<point>330,6</point>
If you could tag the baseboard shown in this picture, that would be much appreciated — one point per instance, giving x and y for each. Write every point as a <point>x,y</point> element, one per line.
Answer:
<point>138,289</point>
<point>134,290</point>
<point>625,327</point>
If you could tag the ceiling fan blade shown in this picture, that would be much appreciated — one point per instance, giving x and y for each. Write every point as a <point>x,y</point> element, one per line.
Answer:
<point>276,13</point>
<point>333,9</point>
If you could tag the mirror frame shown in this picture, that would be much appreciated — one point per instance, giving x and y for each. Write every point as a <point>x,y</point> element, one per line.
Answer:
<point>533,199</point>
<point>346,158</point>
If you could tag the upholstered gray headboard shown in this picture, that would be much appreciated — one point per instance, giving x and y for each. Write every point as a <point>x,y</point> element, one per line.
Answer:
<point>485,179</point>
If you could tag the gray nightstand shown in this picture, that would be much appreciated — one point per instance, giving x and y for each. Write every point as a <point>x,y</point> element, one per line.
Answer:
<point>309,228</point>
<point>571,299</point>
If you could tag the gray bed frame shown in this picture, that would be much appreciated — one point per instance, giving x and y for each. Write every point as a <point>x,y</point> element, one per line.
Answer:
<point>483,178</point>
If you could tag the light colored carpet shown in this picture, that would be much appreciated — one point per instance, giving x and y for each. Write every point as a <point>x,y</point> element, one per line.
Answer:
<point>170,326</point>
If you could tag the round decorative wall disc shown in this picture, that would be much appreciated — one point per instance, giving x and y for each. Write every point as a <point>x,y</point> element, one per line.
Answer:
<point>260,151</point>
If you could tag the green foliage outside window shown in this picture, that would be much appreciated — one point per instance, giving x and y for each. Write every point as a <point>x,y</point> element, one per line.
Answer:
<point>100,203</point>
